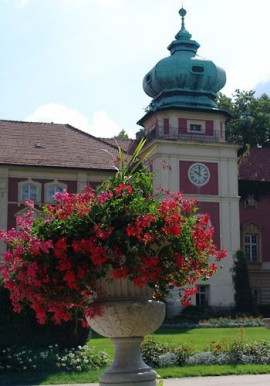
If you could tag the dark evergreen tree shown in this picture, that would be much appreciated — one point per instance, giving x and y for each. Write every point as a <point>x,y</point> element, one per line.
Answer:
<point>243,294</point>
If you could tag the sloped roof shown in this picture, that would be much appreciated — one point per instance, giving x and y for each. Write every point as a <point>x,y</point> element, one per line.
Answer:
<point>123,143</point>
<point>53,145</point>
<point>255,165</point>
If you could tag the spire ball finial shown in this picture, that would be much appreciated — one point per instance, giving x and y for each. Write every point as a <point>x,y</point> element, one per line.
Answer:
<point>182,12</point>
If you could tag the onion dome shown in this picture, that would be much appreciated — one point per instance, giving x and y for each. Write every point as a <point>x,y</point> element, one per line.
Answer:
<point>184,79</point>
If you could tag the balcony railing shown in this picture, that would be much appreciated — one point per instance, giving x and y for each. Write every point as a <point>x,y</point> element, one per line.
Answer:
<point>173,134</point>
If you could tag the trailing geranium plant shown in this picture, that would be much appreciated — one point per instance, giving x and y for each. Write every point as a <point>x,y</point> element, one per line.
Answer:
<point>121,230</point>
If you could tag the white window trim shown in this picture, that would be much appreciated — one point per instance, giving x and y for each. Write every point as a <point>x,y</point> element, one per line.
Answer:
<point>21,184</point>
<point>206,293</point>
<point>252,228</point>
<point>49,185</point>
<point>195,122</point>
<point>253,258</point>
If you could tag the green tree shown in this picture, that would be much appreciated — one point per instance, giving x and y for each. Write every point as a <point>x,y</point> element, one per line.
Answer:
<point>243,295</point>
<point>122,135</point>
<point>250,121</point>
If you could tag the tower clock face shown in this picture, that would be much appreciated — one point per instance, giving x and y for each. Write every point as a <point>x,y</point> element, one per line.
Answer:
<point>198,174</point>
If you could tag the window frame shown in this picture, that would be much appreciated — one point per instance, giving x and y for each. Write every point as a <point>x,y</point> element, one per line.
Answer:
<point>252,230</point>
<point>22,184</point>
<point>48,185</point>
<point>195,122</point>
<point>203,291</point>
<point>251,247</point>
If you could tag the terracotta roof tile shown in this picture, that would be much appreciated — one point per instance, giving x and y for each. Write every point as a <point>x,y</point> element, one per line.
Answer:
<point>53,145</point>
<point>255,165</point>
<point>123,143</point>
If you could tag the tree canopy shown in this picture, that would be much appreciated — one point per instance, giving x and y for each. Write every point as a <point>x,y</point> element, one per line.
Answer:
<point>122,135</point>
<point>250,122</point>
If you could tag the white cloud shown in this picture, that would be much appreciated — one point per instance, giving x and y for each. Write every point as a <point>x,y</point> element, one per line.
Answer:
<point>53,112</point>
<point>106,3</point>
<point>101,126</point>
<point>23,3</point>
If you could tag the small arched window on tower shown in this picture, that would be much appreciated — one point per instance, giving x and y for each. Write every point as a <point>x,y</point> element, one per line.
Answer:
<point>197,69</point>
<point>51,188</point>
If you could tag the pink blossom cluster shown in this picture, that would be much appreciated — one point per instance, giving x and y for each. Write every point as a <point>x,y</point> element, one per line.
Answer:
<point>53,263</point>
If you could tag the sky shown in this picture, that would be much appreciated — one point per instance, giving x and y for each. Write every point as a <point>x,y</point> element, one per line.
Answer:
<point>82,62</point>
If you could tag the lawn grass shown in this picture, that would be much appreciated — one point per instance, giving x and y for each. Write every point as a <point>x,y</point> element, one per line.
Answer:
<point>212,370</point>
<point>197,338</point>
<point>32,378</point>
<point>28,378</point>
<point>201,338</point>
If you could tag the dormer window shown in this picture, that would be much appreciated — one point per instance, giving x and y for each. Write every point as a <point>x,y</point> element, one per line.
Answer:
<point>51,188</point>
<point>29,191</point>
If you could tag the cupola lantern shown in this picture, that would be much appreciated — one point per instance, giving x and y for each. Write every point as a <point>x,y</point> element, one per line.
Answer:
<point>184,79</point>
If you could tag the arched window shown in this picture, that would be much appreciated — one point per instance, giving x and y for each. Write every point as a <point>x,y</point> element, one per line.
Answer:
<point>30,191</point>
<point>51,188</point>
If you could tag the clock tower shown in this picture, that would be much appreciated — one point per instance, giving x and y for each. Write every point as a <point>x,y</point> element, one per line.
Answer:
<point>191,153</point>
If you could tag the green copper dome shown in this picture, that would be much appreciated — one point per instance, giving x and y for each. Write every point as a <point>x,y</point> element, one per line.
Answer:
<point>184,79</point>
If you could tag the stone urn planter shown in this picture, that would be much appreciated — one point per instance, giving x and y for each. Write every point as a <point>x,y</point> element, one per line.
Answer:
<point>128,314</point>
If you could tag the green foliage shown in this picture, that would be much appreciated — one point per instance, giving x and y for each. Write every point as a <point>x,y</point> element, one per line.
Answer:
<point>120,231</point>
<point>213,370</point>
<point>122,135</point>
<point>24,330</point>
<point>199,338</point>
<point>82,359</point>
<point>195,314</point>
<point>77,359</point>
<point>250,122</point>
<point>243,295</point>
<point>164,355</point>
<point>153,353</point>
<point>218,316</point>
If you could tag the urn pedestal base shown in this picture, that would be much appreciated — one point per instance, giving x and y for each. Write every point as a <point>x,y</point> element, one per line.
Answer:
<point>128,313</point>
<point>128,367</point>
